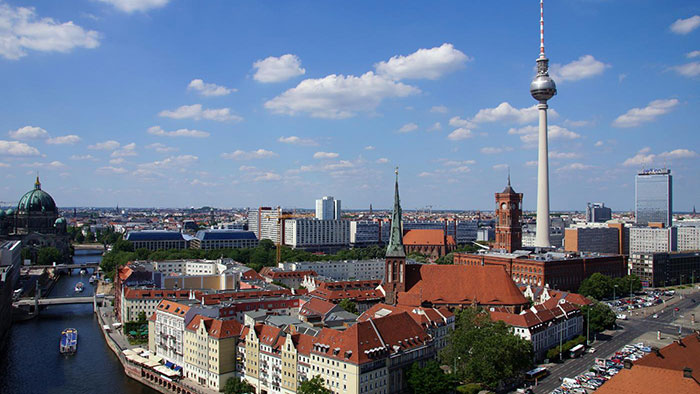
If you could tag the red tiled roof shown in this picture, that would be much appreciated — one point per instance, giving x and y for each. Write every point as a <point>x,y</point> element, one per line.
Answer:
<point>251,275</point>
<point>350,284</point>
<point>151,294</point>
<point>676,356</point>
<point>124,272</point>
<point>303,343</point>
<point>173,307</point>
<point>532,319</point>
<point>424,237</point>
<point>210,299</point>
<point>316,306</point>
<point>216,328</point>
<point>459,285</point>
<point>354,294</point>
<point>423,316</point>
<point>642,379</point>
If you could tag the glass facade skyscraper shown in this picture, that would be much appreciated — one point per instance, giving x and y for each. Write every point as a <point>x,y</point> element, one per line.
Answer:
<point>654,197</point>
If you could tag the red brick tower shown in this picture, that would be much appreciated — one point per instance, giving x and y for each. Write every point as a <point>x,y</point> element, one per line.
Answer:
<point>509,232</point>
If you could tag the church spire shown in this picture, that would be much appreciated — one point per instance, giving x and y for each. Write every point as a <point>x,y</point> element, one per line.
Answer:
<point>395,247</point>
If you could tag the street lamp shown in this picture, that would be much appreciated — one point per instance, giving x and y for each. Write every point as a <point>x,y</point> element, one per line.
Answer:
<point>615,287</point>
<point>588,326</point>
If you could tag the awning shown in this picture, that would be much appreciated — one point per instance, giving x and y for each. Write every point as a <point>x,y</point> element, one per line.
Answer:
<point>169,364</point>
<point>177,368</point>
<point>165,371</point>
<point>155,358</point>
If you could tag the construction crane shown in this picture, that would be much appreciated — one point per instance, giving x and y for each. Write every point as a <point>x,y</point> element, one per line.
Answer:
<point>281,217</point>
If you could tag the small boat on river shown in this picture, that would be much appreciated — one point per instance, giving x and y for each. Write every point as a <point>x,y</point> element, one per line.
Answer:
<point>69,341</point>
<point>79,287</point>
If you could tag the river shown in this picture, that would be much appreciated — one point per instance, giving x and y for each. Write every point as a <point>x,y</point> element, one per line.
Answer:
<point>31,363</point>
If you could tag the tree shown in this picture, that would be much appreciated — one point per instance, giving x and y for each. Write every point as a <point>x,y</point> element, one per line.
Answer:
<point>429,379</point>
<point>484,351</point>
<point>601,316</point>
<point>417,257</point>
<point>48,255</point>
<point>79,237</point>
<point>348,305</point>
<point>90,237</point>
<point>141,317</point>
<point>238,386</point>
<point>598,286</point>
<point>313,386</point>
<point>123,246</point>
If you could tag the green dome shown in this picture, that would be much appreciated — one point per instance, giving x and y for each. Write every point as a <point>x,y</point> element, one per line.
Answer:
<point>10,212</point>
<point>36,200</point>
<point>60,221</point>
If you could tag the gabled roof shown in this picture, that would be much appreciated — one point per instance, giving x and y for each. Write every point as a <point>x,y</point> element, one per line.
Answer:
<point>316,306</point>
<point>424,237</point>
<point>459,285</point>
<point>684,353</point>
<point>537,316</point>
<point>426,317</point>
<point>157,294</point>
<point>173,308</point>
<point>216,328</point>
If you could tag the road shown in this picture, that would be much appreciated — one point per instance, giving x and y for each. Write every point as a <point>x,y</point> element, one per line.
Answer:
<point>628,331</point>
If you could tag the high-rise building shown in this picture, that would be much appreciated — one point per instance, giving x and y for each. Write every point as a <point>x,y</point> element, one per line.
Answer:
<point>654,197</point>
<point>542,88</point>
<point>328,208</point>
<point>509,233</point>
<point>597,212</point>
<point>265,224</point>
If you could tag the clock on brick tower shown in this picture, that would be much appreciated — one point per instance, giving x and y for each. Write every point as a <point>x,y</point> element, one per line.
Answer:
<point>509,233</point>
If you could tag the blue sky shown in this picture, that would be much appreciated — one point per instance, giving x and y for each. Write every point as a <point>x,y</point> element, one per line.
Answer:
<point>175,103</point>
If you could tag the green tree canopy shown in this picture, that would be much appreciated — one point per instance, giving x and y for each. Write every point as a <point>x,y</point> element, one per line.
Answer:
<point>429,379</point>
<point>313,386</point>
<point>48,255</point>
<point>602,317</point>
<point>123,246</point>
<point>348,305</point>
<point>238,386</point>
<point>601,286</point>
<point>484,351</point>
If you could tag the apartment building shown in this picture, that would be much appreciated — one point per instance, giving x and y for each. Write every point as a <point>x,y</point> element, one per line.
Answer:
<point>341,270</point>
<point>653,239</point>
<point>315,234</point>
<point>210,348</point>
<point>688,238</point>
<point>223,239</point>
<point>168,331</point>
<point>592,239</point>
<point>136,301</point>
<point>157,239</point>
<point>264,223</point>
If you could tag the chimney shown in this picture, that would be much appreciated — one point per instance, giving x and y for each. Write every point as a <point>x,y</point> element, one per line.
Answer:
<point>628,364</point>
<point>656,351</point>
<point>687,372</point>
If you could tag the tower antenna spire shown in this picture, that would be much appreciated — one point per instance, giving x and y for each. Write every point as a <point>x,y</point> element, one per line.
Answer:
<point>542,28</point>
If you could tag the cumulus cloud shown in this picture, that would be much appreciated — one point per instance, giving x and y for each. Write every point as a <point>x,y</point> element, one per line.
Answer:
<point>29,133</point>
<point>435,127</point>
<point>126,150</point>
<point>338,96</point>
<point>21,29</point>
<point>157,130</point>
<point>685,26</point>
<point>637,116</point>
<point>506,113</point>
<point>574,167</point>
<point>530,134</point>
<point>171,162</point>
<point>460,134</point>
<point>82,157</point>
<point>585,67</point>
<point>69,139</point>
<point>531,163</point>
<point>106,145</point>
<point>161,148</point>
<point>645,157</point>
<point>598,144</point>
<point>408,127</point>
<point>50,165</point>
<point>439,109</point>
<point>294,140</point>
<point>267,176</point>
<point>577,123</point>
<point>15,148</point>
<point>678,154</point>
<point>116,161</point>
<point>110,170</point>
<point>430,63</point>
<point>196,112</point>
<point>563,155</point>
<point>325,155</point>
<point>209,89</point>
<point>692,55</point>
<point>369,147</point>
<point>500,166</point>
<point>491,150</point>
<point>278,69</point>
<point>456,121</point>
<point>130,6</point>
<point>243,155</point>
<point>691,69</point>
<point>382,160</point>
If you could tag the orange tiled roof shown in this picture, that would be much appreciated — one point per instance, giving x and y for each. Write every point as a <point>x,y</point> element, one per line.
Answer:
<point>459,285</point>
<point>642,379</point>
<point>216,328</point>
<point>316,306</point>
<point>423,316</point>
<point>424,237</point>
<point>173,307</point>
<point>676,356</point>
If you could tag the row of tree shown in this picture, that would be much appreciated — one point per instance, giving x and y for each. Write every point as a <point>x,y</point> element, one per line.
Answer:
<point>603,287</point>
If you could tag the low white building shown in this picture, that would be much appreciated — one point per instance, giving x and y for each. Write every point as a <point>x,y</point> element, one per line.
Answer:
<point>341,270</point>
<point>653,239</point>
<point>316,234</point>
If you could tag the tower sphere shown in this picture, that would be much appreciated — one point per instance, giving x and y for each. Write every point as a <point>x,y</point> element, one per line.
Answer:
<point>543,88</point>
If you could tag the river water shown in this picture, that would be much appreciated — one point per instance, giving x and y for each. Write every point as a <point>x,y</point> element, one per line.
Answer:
<point>30,362</point>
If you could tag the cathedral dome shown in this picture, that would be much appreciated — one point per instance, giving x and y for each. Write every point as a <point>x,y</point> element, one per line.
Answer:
<point>36,200</point>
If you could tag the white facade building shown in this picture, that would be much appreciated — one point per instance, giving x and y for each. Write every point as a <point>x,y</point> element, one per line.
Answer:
<point>169,331</point>
<point>263,222</point>
<point>364,232</point>
<point>328,208</point>
<point>653,239</point>
<point>341,270</point>
<point>311,233</point>
<point>688,238</point>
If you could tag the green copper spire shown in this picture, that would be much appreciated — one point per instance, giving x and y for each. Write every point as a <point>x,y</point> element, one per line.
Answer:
<point>395,247</point>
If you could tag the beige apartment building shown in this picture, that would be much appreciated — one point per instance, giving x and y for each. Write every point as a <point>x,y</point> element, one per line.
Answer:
<point>210,351</point>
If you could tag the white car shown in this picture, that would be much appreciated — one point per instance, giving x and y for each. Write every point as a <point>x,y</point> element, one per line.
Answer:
<point>655,316</point>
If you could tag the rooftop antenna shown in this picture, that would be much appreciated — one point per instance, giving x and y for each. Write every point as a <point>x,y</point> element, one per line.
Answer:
<point>508,175</point>
<point>542,28</point>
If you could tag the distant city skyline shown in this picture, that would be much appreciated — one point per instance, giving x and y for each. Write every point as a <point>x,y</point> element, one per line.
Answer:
<point>178,104</point>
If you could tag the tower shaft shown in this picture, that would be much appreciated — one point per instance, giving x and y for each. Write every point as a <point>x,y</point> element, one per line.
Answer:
<point>542,232</point>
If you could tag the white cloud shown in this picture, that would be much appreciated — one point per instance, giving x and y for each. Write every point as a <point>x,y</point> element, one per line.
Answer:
<point>29,133</point>
<point>338,96</point>
<point>430,63</point>
<point>209,89</point>
<point>621,77</point>
<point>117,161</point>
<point>158,147</point>
<point>50,165</point>
<point>243,155</point>
<point>157,130</point>
<point>691,69</point>
<point>21,30</point>
<point>563,155</point>
<point>645,157</point>
<point>685,26</point>
<point>505,112</point>
<point>500,166</point>
<point>338,165</point>
<point>382,160</point>
<point>110,170</point>
<point>435,127</point>
<point>69,139</point>
<point>599,144</point>
<point>426,174</point>
<point>130,6</point>
<point>15,148</point>
<point>325,155</point>
<point>408,127</point>
<point>439,109</point>
<point>531,163</point>
<point>4,165</point>
<point>678,154</point>
<point>126,150</point>
<point>490,150</point>
<point>457,163</point>
<point>107,145</point>
<point>456,121</point>
<point>529,134</point>
<point>294,140</point>
<point>460,134</point>
<point>267,176</point>
<point>574,167</point>
<point>585,67</point>
<point>369,147</point>
<point>278,69</point>
<point>637,116</point>
<point>170,162</point>
<point>692,54</point>
<point>82,157</point>
<point>196,112</point>
<point>577,123</point>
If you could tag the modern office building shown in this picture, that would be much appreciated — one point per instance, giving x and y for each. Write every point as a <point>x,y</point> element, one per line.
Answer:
<point>264,223</point>
<point>688,238</point>
<point>328,208</point>
<point>597,212</point>
<point>592,239</point>
<point>157,239</point>
<point>665,269</point>
<point>364,233</point>
<point>654,197</point>
<point>314,234</point>
<point>223,239</point>
<point>653,239</point>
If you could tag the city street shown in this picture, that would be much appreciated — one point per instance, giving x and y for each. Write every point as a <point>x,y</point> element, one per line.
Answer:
<point>628,331</point>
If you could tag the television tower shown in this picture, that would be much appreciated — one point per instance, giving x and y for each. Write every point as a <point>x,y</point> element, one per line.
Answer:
<point>542,88</point>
